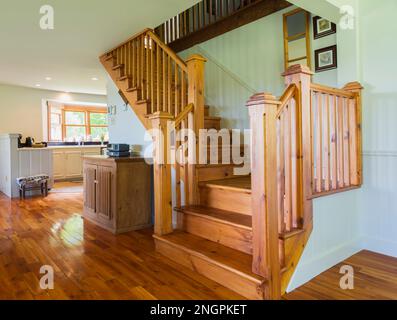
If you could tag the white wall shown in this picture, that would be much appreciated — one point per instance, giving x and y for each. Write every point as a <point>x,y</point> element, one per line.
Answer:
<point>378,199</point>
<point>21,109</point>
<point>124,126</point>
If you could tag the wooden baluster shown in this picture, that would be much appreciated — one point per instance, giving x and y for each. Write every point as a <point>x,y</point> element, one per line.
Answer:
<point>265,256</point>
<point>210,17</point>
<point>183,89</point>
<point>281,173</point>
<point>162,175</point>
<point>334,149</point>
<point>205,4</point>
<point>158,77</point>
<point>150,75</point>
<point>184,126</point>
<point>165,107</point>
<point>220,8</point>
<point>185,24</point>
<point>287,152</point>
<point>177,168</point>
<point>143,83</point>
<point>133,66</point>
<point>327,162</point>
<point>176,89</point>
<point>294,164</point>
<point>194,20</point>
<point>339,142</point>
<point>319,142</point>
<point>346,151</point>
<point>170,109</point>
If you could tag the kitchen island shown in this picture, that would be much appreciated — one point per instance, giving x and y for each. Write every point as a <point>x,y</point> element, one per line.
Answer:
<point>117,192</point>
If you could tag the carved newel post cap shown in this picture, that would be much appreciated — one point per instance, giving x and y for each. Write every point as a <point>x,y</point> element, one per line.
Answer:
<point>297,68</point>
<point>262,99</point>
<point>196,57</point>
<point>353,86</point>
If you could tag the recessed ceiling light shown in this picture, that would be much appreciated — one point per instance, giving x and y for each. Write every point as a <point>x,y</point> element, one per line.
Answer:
<point>94,79</point>
<point>48,78</point>
<point>38,85</point>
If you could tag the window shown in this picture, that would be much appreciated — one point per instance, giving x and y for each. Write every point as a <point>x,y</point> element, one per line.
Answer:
<point>77,123</point>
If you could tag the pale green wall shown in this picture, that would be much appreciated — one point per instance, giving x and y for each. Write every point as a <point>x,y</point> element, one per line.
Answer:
<point>379,67</point>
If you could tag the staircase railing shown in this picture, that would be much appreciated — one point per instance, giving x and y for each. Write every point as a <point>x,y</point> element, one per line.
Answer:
<point>153,68</point>
<point>149,73</point>
<point>292,137</point>
<point>199,16</point>
<point>336,141</point>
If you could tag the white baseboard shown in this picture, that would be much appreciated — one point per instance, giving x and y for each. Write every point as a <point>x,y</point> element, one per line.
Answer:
<point>309,269</point>
<point>382,246</point>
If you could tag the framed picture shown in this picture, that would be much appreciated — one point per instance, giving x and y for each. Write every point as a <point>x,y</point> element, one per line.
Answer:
<point>322,27</point>
<point>326,58</point>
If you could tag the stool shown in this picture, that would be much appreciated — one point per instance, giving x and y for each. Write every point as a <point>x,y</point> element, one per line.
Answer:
<point>35,182</point>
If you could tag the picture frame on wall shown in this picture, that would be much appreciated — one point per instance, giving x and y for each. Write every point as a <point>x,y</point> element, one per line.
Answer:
<point>326,58</point>
<point>323,27</point>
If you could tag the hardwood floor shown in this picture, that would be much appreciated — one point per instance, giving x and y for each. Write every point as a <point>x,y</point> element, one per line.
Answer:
<point>375,278</point>
<point>90,263</point>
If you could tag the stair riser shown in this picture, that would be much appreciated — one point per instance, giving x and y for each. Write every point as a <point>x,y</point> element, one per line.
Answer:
<point>226,199</point>
<point>227,277</point>
<point>212,124</point>
<point>232,236</point>
<point>218,158</point>
<point>215,173</point>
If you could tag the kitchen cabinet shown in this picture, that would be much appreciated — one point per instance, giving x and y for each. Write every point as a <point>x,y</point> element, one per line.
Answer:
<point>117,193</point>
<point>68,161</point>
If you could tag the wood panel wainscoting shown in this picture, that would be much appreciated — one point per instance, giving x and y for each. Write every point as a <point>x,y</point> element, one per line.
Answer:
<point>117,193</point>
<point>91,263</point>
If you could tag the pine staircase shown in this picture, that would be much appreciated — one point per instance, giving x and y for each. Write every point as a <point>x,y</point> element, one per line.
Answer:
<point>246,232</point>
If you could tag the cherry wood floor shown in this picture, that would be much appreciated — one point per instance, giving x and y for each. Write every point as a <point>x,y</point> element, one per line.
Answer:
<point>90,263</point>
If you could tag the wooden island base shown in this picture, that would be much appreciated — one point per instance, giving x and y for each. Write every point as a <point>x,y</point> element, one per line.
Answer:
<point>117,193</point>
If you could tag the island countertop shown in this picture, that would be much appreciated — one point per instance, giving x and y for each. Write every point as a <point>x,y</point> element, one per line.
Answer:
<point>113,159</point>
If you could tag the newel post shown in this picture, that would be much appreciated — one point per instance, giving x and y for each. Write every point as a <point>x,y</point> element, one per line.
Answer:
<point>162,174</point>
<point>357,88</point>
<point>266,261</point>
<point>195,69</point>
<point>302,77</point>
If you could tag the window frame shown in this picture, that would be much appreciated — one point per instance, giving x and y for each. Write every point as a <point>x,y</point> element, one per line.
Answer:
<point>87,110</point>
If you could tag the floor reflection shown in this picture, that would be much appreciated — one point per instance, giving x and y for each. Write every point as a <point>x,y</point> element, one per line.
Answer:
<point>70,231</point>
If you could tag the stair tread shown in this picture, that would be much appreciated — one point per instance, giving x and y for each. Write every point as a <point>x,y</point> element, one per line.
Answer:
<point>236,183</point>
<point>229,217</point>
<point>290,234</point>
<point>212,118</point>
<point>224,256</point>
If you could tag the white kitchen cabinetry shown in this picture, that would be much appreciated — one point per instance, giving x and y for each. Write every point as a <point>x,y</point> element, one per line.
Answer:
<point>68,161</point>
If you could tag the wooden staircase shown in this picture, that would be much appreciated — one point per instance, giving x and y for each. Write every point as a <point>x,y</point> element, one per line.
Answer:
<point>245,232</point>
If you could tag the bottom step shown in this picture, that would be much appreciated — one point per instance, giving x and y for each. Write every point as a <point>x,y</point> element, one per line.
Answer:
<point>228,267</point>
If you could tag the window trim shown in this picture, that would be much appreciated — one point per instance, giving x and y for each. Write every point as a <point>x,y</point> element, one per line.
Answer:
<point>75,108</point>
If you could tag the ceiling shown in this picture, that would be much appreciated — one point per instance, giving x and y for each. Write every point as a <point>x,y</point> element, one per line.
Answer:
<point>83,30</point>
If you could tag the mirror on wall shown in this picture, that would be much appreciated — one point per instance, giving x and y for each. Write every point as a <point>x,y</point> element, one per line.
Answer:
<point>296,26</point>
